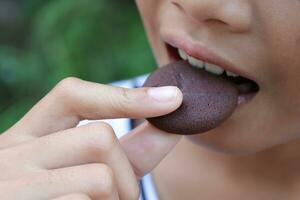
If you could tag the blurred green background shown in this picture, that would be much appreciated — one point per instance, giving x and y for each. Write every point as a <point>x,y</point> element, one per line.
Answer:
<point>43,41</point>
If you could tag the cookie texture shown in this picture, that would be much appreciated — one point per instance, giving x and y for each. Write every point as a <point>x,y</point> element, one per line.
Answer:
<point>208,100</point>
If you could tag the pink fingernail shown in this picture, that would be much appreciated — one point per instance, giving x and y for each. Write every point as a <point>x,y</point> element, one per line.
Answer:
<point>163,94</point>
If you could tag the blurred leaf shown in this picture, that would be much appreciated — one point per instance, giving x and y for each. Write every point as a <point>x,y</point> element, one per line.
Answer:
<point>97,40</point>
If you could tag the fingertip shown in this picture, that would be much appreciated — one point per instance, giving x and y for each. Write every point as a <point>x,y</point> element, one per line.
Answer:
<point>146,146</point>
<point>163,94</point>
<point>170,95</point>
<point>147,102</point>
<point>179,97</point>
<point>170,138</point>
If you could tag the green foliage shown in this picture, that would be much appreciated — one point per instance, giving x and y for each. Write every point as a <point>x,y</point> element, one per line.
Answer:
<point>97,40</point>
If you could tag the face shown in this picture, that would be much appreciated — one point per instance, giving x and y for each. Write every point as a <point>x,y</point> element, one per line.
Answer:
<point>259,40</point>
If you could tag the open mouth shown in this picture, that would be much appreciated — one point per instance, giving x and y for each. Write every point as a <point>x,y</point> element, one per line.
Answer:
<point>246,87</point>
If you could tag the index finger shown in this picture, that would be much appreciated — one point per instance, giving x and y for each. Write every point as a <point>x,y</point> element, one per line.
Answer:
<point>73,100</point>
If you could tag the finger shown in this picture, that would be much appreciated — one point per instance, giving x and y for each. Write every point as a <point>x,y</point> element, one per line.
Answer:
<point>74,197</point>
<point>73,100</point>
<point>9,140</point>
<point>146,146</point>
<point>95,180</point>
<point>92,143</point>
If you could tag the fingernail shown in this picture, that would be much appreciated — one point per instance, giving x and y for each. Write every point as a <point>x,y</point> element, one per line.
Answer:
<point>166,93</point>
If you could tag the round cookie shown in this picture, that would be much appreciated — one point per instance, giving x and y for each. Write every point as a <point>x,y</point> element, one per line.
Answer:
<point>208,99</point>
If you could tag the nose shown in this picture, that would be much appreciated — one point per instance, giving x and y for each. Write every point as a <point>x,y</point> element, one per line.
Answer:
<point>236,15</point>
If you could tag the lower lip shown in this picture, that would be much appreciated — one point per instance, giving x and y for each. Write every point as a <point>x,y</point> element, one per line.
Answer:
<point>242,98</point>
<point>245,98</point>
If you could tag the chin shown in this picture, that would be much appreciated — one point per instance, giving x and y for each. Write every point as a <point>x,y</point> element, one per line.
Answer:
<point>215,145</point>
<point>227,140</point>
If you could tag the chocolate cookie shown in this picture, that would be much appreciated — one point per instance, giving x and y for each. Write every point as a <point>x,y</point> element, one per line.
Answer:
<point>208,99</point>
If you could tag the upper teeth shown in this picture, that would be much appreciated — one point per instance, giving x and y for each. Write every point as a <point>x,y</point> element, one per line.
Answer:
<point>195,62</point>
<point>182,54</point>
<point>201,64</point>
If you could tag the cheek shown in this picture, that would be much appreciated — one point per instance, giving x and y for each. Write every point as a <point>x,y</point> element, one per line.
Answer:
<point>283,45</point>
<point>275,118</point>
<point>279,30</point>
<point>151,11</point>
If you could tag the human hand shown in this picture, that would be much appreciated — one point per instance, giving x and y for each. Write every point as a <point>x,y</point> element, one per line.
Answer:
<point>45,156</point>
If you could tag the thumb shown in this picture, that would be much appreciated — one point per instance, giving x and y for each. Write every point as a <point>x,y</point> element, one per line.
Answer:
<point>146,146</point>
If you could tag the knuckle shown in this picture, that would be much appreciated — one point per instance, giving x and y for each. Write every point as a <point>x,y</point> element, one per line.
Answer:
<point>83,197</point>
<point>105,179</point>
<point>125,102</point>
<point>101,140</point>
<point>108,180</point>
<point>78,197</point>
<point>66,87</point>
<point>125,94</point>
<point>106,127</point>
<point>135,192</point>
<point>7,190</point>
<point>52,177</point>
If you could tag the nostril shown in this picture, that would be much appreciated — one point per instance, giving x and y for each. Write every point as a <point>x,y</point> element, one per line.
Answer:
<point>177,5</point>
<point>215,21</point>
<point>193,13</point>
<point>237,16</point>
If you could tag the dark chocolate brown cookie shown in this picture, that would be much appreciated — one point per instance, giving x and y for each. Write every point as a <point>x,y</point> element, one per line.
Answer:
<point>207,99</point>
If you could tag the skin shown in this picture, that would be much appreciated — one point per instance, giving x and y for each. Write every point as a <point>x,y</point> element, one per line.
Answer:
<point>254,154</point>
<point>45,156</point>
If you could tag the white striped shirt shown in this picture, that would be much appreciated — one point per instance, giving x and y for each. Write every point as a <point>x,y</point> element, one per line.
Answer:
<point>123,126</point>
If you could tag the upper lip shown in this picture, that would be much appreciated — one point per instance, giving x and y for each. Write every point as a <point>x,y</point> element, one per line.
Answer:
<point>199,51</point>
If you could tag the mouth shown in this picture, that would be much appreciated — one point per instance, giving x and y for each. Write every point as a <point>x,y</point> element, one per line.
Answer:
<point>246,87</point>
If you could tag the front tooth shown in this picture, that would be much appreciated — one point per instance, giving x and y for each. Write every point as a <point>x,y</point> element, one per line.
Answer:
<point>195,62</point>
<point>182,54</point>
<point>231,74</point>
<point>214,69</point>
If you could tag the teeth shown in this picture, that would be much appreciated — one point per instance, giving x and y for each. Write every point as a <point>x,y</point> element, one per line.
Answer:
<point>207,66</point>
<point>213,69</point>
<point>231,74</point>
<point>182,54</point>
<point>195,62</point>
